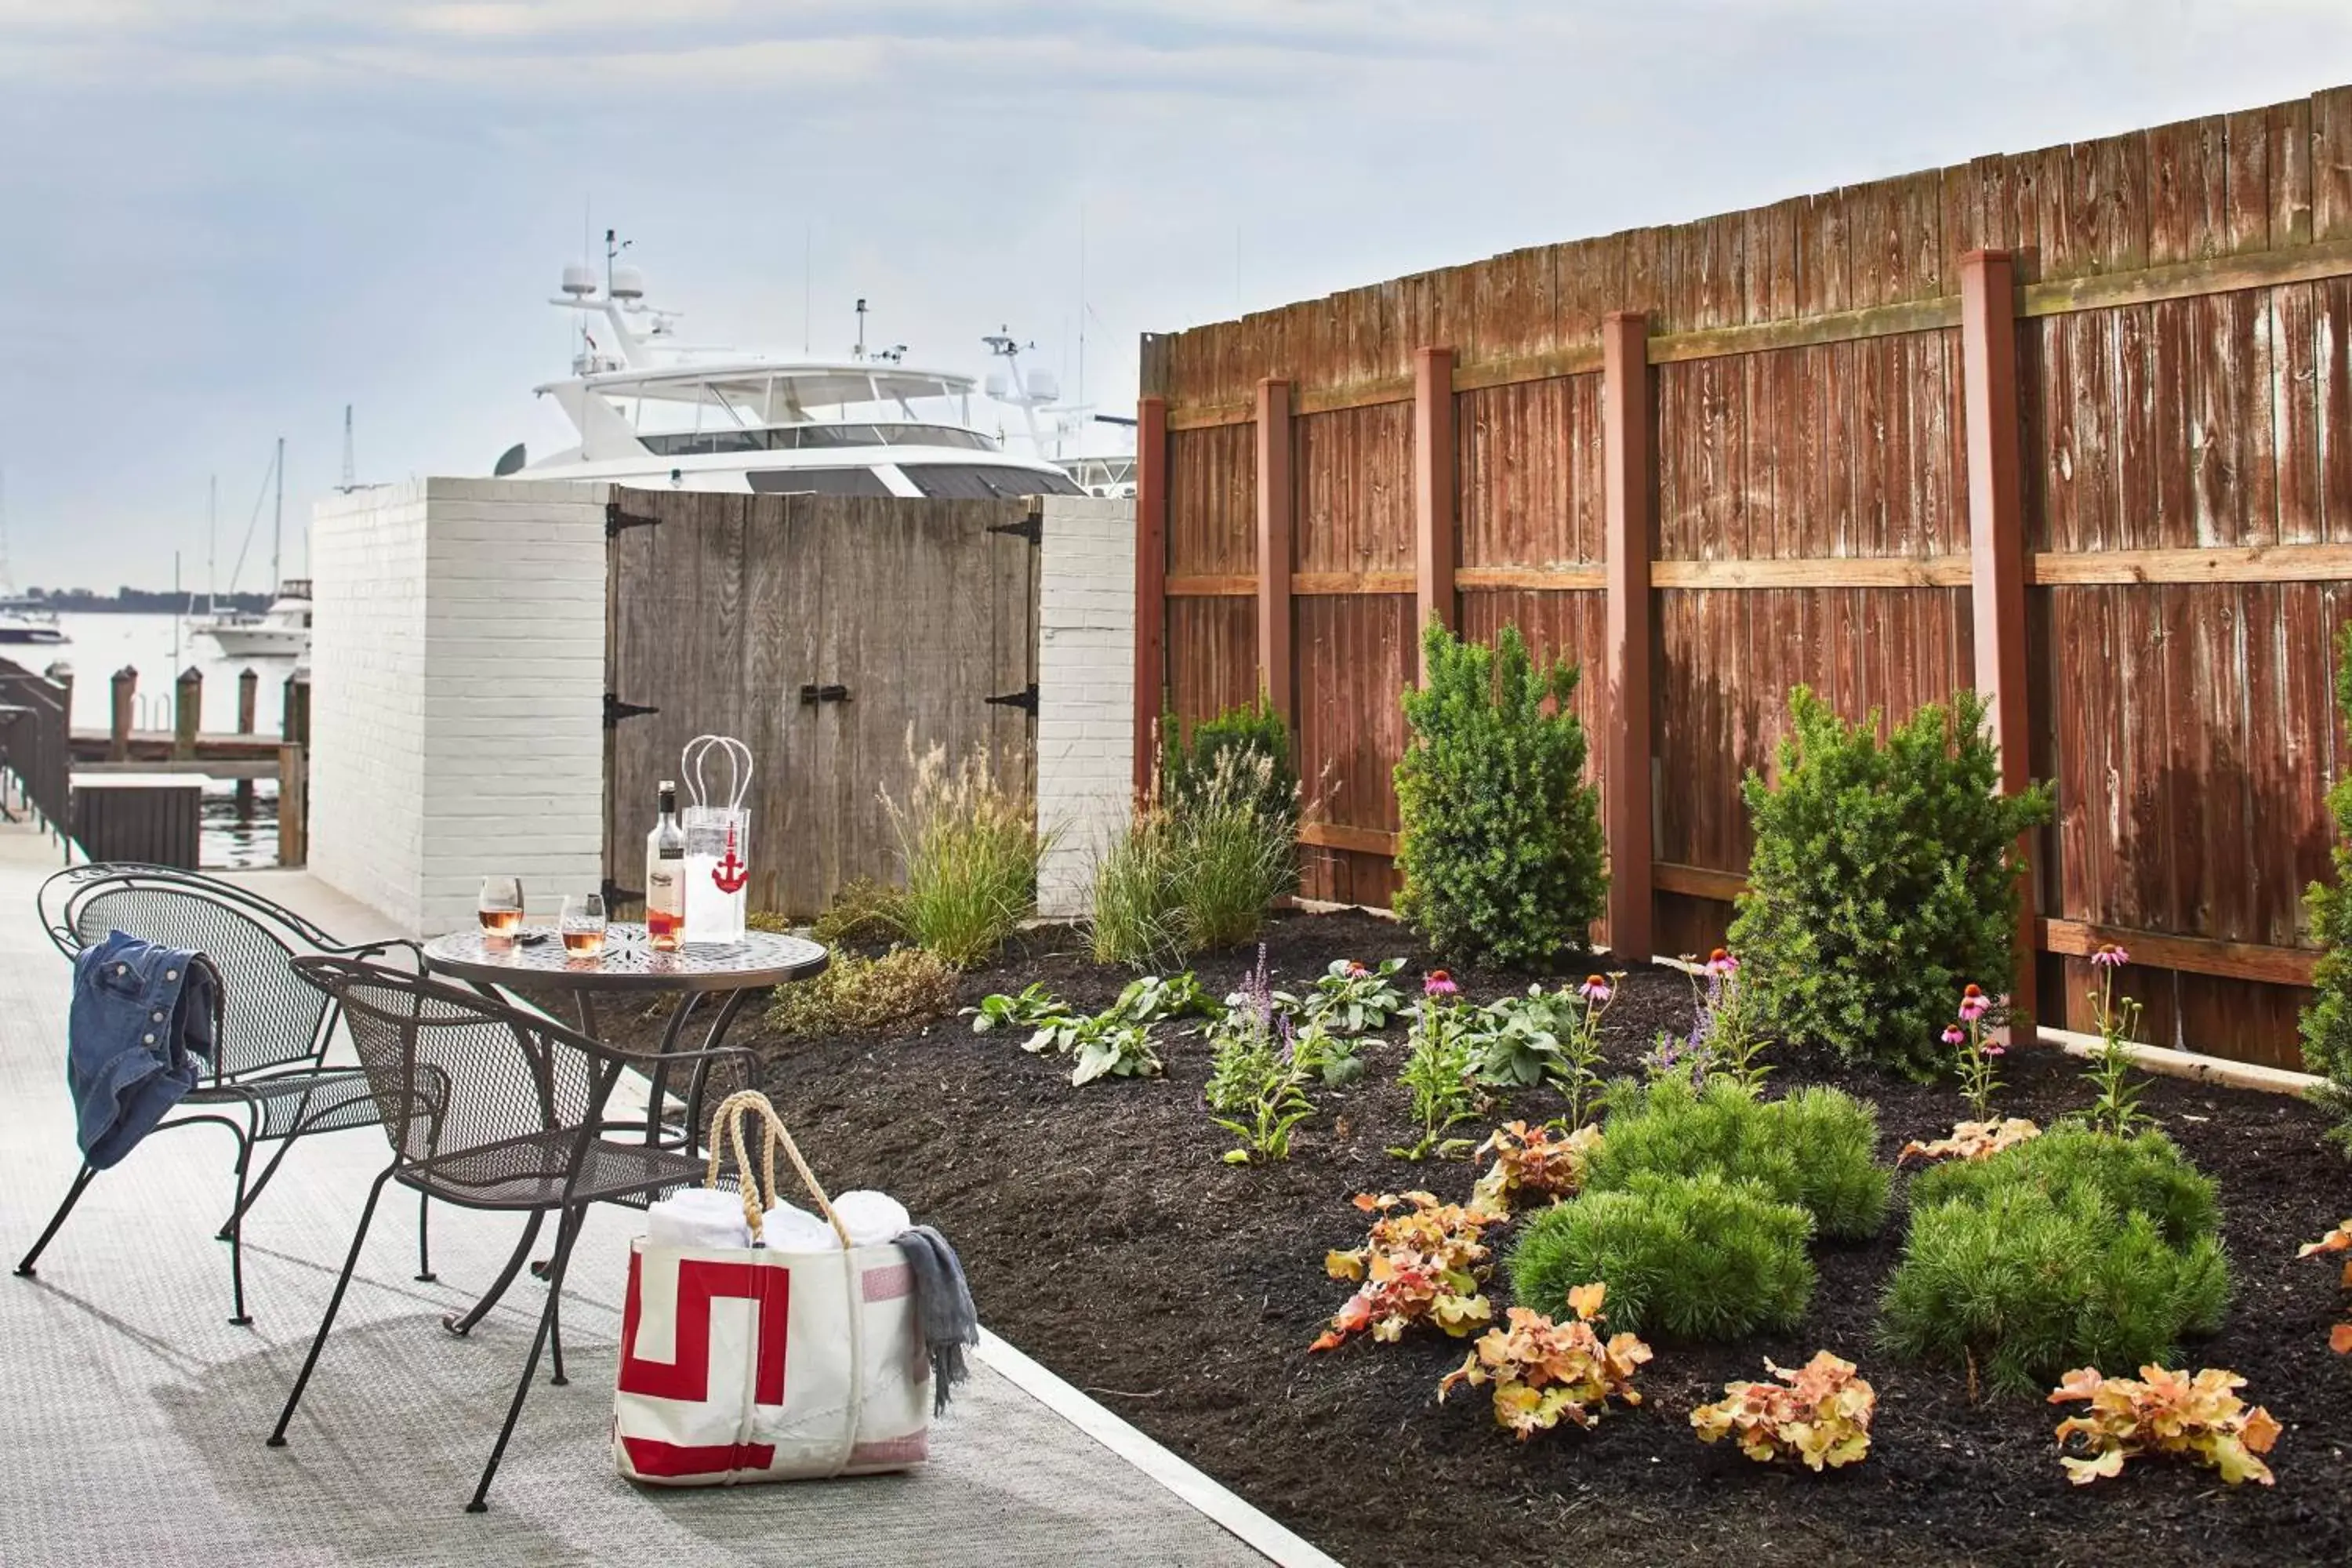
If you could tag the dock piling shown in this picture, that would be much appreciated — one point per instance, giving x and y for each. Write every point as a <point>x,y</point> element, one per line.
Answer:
<point>187,713</point>
<point>126,702</point>
<point>248,690</point>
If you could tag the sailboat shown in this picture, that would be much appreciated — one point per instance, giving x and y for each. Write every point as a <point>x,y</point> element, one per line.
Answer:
<point>21,621</point>
<point>283,630</point>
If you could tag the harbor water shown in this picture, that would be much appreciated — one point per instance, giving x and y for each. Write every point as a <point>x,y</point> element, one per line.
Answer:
<point>159,648</point>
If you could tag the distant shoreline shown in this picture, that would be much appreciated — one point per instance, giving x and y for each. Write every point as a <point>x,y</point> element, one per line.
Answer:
<point>135,602</point>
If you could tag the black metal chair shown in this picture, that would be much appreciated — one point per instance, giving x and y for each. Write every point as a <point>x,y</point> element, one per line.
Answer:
<point>489,1107</point>
<point>270,1081</point>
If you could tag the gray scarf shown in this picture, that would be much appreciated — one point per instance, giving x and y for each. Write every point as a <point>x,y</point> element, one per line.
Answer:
<point>942,1305</point>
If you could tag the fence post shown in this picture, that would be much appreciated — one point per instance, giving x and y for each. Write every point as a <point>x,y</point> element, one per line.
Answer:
<point>60,675</point>
<point>1627,482</point>
<point>1997,549</point>
<point>126,701</point>
<point>1434,545</point>
<point>1151,583</point>
<point>1275,498</point>
<point>187,712</point>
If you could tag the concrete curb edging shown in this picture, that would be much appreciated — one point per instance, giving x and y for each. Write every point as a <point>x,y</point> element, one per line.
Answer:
<point>1228,1511</point>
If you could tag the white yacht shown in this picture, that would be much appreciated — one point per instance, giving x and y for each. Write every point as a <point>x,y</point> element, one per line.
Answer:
<point>26,621</point>
<point>281,631</point>
<point>652,412</point>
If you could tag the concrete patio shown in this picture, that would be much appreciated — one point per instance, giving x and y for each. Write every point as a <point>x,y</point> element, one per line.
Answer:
<point>135,1413</point>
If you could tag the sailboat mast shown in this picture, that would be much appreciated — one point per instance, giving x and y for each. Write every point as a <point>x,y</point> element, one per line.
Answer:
<point>277,521</point>
<point>212,544</point>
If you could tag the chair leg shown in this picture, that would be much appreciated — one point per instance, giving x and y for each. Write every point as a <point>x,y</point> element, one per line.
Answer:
<point>73,1196</point>
<point>425,1275</point>
<point>462,1324</point>
<point>327,1322</point>
<point>253,1194</point>
<point>239,1318</point>
<point>567,1233</point>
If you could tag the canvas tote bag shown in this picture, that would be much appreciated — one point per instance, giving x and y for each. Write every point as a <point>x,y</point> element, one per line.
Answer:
<point>754,1364</point>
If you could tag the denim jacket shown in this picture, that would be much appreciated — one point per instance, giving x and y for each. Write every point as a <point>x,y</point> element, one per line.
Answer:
<point>142,1014</point>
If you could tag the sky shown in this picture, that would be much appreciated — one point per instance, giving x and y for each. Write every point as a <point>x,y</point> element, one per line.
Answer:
<point>226,219</point>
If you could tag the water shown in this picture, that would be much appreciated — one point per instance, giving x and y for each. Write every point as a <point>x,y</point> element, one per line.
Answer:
<point>159,648</point>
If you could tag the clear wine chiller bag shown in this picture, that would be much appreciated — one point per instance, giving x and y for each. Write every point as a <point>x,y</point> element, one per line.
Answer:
<point>718,839</point>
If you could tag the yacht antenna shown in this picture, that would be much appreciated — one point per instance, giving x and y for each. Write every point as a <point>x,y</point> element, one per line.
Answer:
<point>277,518</point>
<point>1082,304</point>
<point>212,544</point>
<point>350,469</point>
<point>7,584</point>
<point>613,246</point>
<point>860,351</point>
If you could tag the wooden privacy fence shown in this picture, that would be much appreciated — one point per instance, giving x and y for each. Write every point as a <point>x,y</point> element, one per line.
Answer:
<point>2072,426</point>
<point>839,638</point>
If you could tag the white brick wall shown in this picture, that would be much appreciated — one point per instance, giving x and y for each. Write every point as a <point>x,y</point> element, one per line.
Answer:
<point>1086,692</point>
<point>457,680</point>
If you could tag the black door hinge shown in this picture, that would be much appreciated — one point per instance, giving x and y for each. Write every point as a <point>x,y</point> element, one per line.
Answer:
<point>616,519</point>
<point>1031,528</point>
<point>813,695</point>
<point>1026,699</point>
<point>615,710</point>
<point>616,894</point>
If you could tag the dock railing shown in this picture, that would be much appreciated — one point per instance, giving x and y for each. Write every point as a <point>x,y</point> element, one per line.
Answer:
<point>36,753</point>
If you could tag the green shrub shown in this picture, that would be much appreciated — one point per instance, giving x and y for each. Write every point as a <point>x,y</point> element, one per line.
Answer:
<point>2327,1022</point>
<point>1816,1148</point>
<point>1883,880</point>
<point>968,850</point>
<point>1501,847</point>
<point>1251,743</point>
<point>2072,1249</point>
<point>1693,1257</point>
<point>905,985</point>
<point>863,910</point>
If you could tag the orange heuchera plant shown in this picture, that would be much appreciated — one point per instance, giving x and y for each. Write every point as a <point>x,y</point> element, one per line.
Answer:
<point>1422,1265</point>
<point>1818,1413</point>
<point>1538,1161</point>
<point>2165,1412</point>
<point>1545,1372</point>
<point>2339,1338</point>
<point>1973,1140</point>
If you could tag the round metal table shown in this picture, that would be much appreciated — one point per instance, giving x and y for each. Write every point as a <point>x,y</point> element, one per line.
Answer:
<point>535,962</point>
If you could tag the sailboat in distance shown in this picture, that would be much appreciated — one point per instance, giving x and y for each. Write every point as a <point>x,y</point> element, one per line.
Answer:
<point>283,630</point>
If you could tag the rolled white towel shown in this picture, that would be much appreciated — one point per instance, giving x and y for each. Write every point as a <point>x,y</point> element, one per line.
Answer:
<point>871,1218</point>
<point>790,1229</point>
<point>698,1216</point>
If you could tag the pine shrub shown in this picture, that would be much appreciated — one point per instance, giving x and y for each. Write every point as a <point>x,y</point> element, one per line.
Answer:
<point>1691,1257</point>
<point>2327,1022</point>
<point>1501,845</point>
<point>1250,742</point>
<point>1883,880</point>
<point>2076,1248</point>
<point>1816,1148</point>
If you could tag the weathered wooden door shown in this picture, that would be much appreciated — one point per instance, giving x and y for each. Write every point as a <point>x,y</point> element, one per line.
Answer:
<point>841,639</point>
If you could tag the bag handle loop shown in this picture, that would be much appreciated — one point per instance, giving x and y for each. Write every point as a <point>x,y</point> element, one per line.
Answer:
<point>759,1195</point>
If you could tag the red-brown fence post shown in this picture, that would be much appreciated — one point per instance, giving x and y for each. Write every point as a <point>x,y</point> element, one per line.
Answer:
<point>1625,463</point>
<point>1433,546</point>
<point>1275,498</point>
<point>1150,581</point>
<point>1997,545</point>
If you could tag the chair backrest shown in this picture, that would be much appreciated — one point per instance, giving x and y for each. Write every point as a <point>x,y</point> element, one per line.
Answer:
<point>270,1018</point>
<point>453,1071</point>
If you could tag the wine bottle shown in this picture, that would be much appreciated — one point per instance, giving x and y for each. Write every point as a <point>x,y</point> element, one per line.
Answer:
<point>665,875</point>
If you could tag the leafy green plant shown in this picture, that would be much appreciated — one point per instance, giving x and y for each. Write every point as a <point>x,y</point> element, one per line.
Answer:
<point>2070,1248</point>
<point>1815,1148</point>
<point>1439,1070</point>
<point>1979,1054</point>
<point>1818,1413</point>
<point>905,985</point>
<point>1545,1372</point>
<point>2117,1107</point>
<point>1348,998</point>
<point>1151,999</point>
<point>1108,1045</point>
<point>1882,877</point>
<point>1035,1008</point>
<point>1258,1076</point>
<point>1693,1257</point>
<point>1426,1265</point>
<point>2327,1020</point>
<point>1337,1059</point>
<point>1723,1037</point>
<point>2198,1417</point>
<point>863,910</point>
<point>1501,851</point>
<point>968,850</point>
<point>1545,1037</point>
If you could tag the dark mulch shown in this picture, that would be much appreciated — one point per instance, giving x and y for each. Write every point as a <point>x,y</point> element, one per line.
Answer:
<point>1104,1237</point>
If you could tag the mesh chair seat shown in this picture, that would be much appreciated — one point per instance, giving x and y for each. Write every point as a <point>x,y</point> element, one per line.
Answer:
<point>534,1171</point>
<point>327,1101</point>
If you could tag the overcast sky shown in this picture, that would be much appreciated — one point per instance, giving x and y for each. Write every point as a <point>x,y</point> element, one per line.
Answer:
<point>225,220</point>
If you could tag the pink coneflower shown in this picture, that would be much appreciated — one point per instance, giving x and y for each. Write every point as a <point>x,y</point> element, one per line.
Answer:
<point>1974,1004</point>
<point>1721,962</point>
<point>1595,989</point>
<point>2110,956</point>
<point>1440,983</point>
<point>1354,969</point>
<point>1994,1049</point>
<point>1955,1036</point>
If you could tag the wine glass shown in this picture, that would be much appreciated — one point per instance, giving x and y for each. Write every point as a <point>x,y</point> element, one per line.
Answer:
<point>500,908</point>
<point>582,925</point>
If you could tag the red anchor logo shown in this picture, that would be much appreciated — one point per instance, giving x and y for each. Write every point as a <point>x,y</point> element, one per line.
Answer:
<point>729,874</point>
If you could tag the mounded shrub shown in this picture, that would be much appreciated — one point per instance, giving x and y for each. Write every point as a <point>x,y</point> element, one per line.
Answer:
<point>905,985</point>
<point>1501,850</point>
<point>1816,1148</point>
<point>2327,1022</point>
<point>1883,882</point>
<point>1693,1257</point>
<point>2072,1249</point>
<point>1249,744</point>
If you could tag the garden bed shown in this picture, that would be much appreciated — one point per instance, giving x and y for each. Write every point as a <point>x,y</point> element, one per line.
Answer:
<point>1105,1238</point>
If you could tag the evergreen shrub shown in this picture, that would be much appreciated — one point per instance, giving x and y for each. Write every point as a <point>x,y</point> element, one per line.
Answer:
<point>2327,1022</point>
<point>1816,1148</point>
